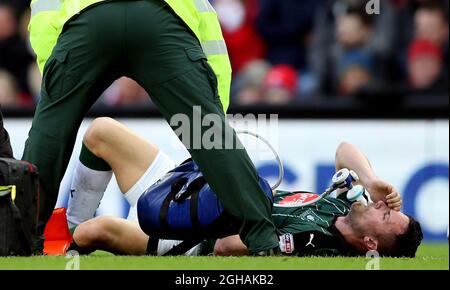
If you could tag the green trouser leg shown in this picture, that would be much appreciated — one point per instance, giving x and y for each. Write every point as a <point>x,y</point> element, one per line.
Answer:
<point>74,77</point>
<point>143,40</point>
<point>230,173</point>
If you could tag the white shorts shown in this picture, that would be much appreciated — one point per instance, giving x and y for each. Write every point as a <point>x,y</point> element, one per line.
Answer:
<point>159,167</point>
<point>157,170</point>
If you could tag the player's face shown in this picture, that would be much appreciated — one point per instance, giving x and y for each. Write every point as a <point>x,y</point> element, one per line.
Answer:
<point>377,219</point>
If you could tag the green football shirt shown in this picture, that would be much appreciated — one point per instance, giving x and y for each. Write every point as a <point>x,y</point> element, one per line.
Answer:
<point>310,230</point>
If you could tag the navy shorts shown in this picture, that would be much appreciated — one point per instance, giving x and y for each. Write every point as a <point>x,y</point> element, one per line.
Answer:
<point>182,206</point>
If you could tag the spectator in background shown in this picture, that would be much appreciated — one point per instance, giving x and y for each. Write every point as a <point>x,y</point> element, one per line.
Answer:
<point>407,15</point>
<point>431,23</point>
<point>356,72</point>
<point>280,85</point>
<point>426,19</point>
<point>353,56</point>
<point>9,96</point>
<point>247,88</point>
<point>426,67</point>
<point>15,56</point>
<point>8,24</point>
<point>259,83</point>
<point>238,18</point>
<point>344,25</point>
<point>354,29</point>
<point>286,28</point>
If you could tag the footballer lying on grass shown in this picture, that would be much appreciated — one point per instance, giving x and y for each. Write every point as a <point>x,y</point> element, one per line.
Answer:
<point>179,205</point>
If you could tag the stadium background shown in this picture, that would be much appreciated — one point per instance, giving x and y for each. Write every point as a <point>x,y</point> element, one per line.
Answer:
<point>330,70</point>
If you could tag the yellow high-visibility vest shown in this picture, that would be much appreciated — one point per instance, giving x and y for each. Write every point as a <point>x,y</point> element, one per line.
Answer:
<point>49,16</point>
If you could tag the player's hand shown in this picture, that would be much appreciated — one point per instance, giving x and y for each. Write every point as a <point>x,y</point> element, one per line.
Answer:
<point>381,190</point>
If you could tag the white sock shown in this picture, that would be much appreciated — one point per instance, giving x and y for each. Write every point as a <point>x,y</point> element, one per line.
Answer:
<point>87,189</point>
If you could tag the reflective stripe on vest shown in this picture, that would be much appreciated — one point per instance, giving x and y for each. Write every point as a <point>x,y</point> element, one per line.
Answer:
<point>45,5</point>
<point>214,47</point>
<point>204,6</point>
<point>55,5</point>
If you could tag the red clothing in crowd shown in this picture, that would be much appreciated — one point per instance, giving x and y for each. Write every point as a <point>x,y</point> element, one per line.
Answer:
<point>244,44</point>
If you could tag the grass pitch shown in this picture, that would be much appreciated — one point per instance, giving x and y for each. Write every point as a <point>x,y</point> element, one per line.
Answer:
<point>429,257</point>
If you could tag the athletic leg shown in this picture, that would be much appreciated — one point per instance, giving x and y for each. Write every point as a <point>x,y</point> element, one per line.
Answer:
<point>128,154</point>
<point>112,234</point>
<point>136,163</point>
<point>120,237</point>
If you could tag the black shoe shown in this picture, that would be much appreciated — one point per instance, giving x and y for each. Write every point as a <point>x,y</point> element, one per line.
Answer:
<point>38,245</point>
<point>266,253</point>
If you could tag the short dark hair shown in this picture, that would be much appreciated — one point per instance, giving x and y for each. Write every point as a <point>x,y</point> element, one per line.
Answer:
<point>405,245</point>
<point>359,10</point>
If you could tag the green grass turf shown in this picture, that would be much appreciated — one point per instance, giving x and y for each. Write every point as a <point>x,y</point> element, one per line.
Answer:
<point>429,257</point>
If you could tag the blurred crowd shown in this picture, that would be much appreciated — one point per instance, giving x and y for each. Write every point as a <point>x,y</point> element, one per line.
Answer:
<point>285,51</point>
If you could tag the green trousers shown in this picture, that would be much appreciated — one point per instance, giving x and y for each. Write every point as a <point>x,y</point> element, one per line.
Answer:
<point>145,41</point>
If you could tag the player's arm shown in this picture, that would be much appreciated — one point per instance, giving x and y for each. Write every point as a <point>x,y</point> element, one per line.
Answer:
<point>349,156</point>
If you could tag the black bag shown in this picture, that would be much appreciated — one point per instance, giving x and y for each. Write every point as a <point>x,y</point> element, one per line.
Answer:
<point>19,207</point>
